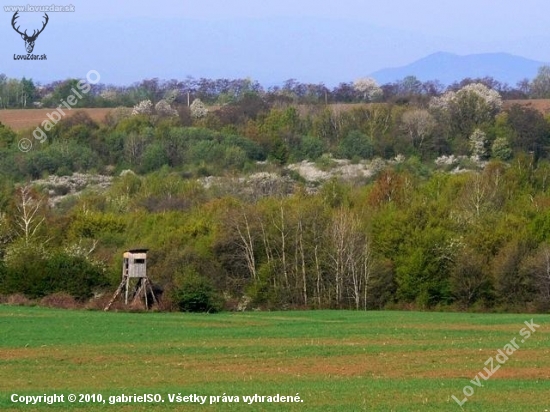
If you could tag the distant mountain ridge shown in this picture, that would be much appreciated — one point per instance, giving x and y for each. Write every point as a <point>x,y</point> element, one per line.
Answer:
<point>449,67</point>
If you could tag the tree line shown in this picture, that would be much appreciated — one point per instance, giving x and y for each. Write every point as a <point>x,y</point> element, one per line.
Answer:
<point>26,93</point>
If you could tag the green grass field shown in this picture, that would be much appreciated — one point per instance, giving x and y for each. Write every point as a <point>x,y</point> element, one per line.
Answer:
<point>335,360</point>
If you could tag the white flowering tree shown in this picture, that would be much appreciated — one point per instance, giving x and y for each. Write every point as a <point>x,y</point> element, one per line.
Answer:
<point>161,109</point>
<point>418,124</point>
<point>368,87</point>
<point>198,109</point>
<point>478,145</point>
<point>488,97</point>
<point>467,109</point>
<point>485,99</point>
<point>143,107</point>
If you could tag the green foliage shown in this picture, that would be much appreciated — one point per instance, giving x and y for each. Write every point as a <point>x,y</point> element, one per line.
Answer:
<point>154,158</point>
<point>73,274</point>
<point>32,272</point>
<point>512,285</point>
<point>280,152</point>
<point>195,293</point>
<point>422,270</point>
<point>94,225</point>
<point>281,122</point>
<point>470,279</point>
<point>252,150</point>
<point>501,149</point>
<point>261,292</point>
<point>197,146</point>
<point>335,194</point>
<point>134,124</point>
<point>7,136</point>
<point>355,144</point>
<point>62,91</point>
<point>59,158</point>
<point>531,131</point>
<point>309,148</point>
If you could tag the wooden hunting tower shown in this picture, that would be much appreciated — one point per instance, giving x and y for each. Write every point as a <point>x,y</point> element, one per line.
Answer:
<point>135,284</point>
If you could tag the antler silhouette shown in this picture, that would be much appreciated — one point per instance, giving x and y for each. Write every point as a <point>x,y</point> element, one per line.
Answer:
<point>29,40</point>
<point>13,21</point>
<point>34,36</point>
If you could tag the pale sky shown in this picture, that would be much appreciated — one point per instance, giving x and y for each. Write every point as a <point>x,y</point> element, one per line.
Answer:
<point>108,35</point>
<point>465,18</point>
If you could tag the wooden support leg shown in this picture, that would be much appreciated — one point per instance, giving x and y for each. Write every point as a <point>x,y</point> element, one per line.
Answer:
<point>152,293</point>
<point>140,288</point>
<point>143,288</point>
<point>121,286</point>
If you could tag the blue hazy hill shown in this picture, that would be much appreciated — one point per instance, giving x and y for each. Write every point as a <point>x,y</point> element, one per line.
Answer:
<point>448,67</point>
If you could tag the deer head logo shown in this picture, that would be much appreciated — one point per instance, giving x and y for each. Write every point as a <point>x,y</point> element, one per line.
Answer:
<point>29,40</point>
